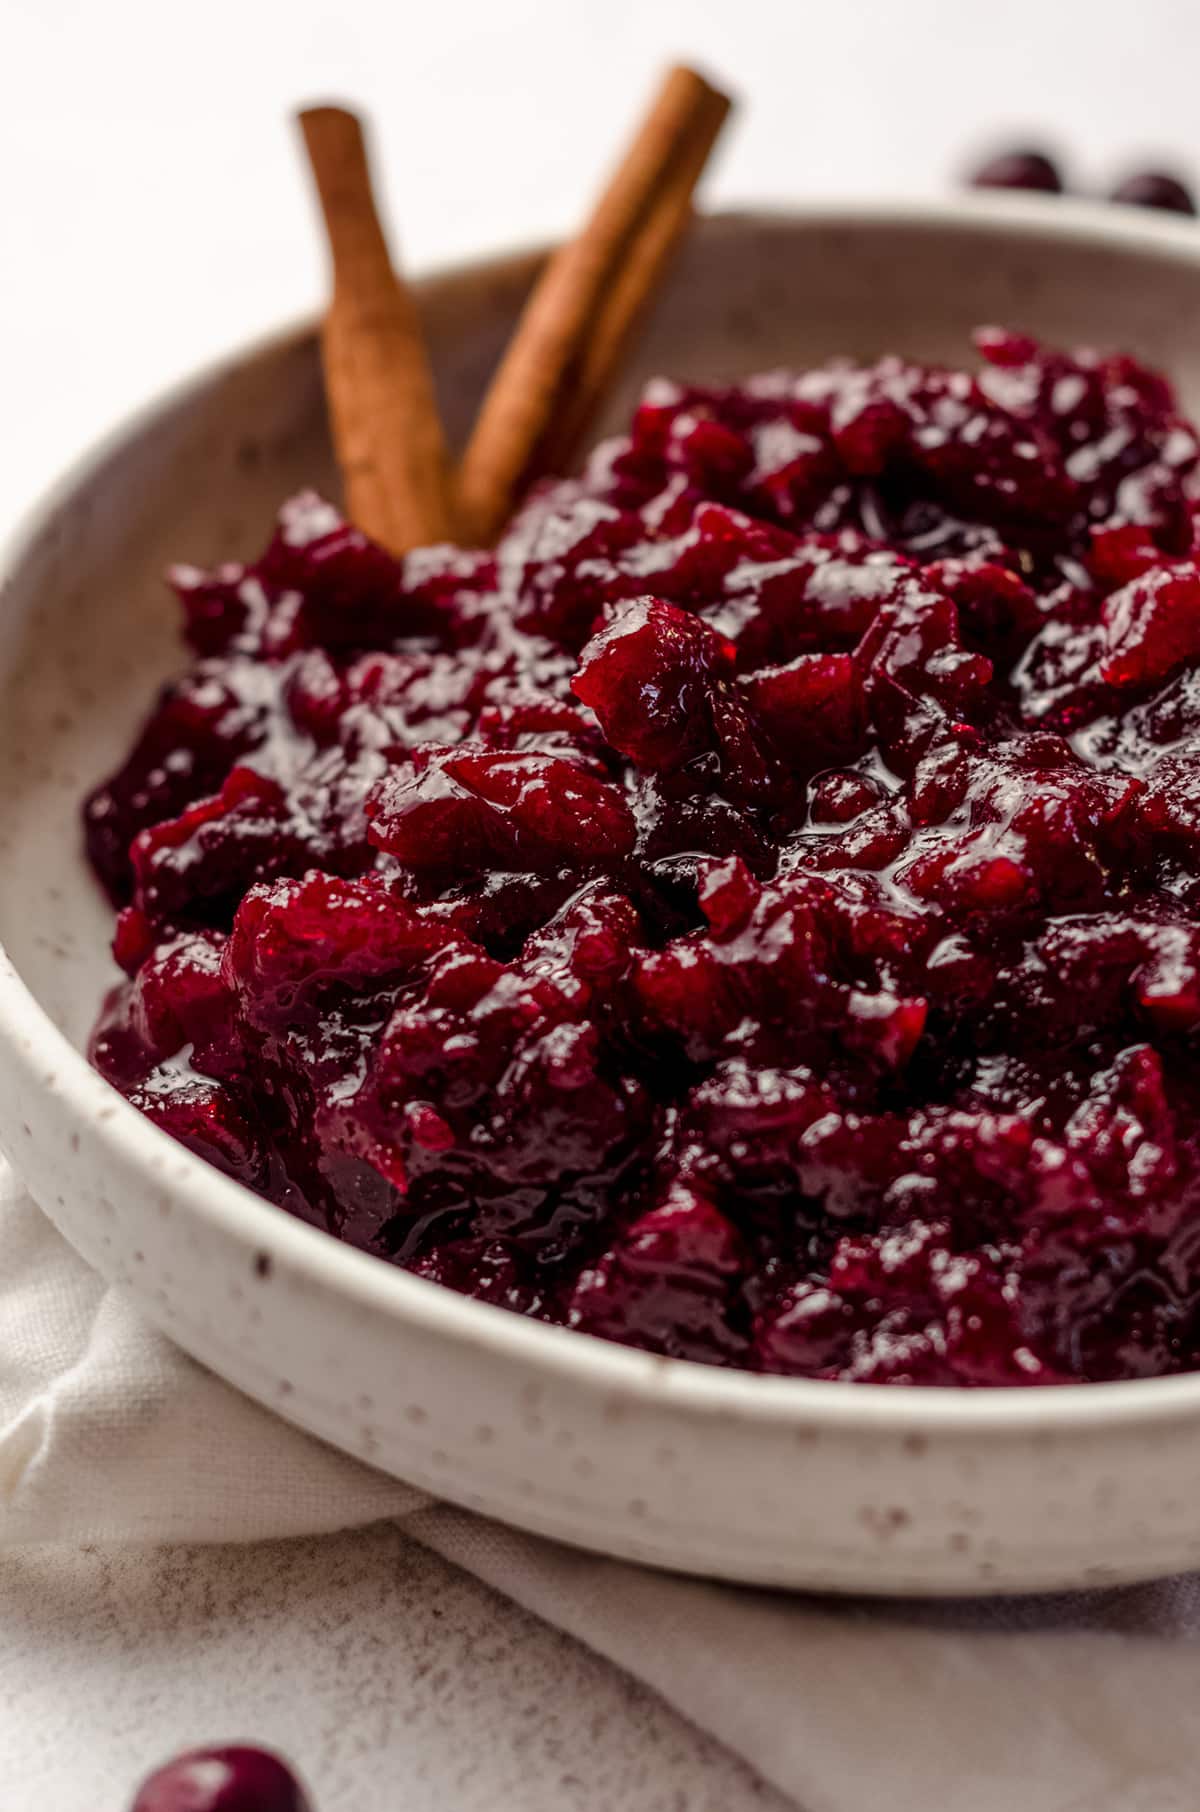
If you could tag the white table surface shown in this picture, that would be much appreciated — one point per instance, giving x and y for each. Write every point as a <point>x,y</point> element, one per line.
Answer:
<point>403,1684</point>
<point>154,215</point>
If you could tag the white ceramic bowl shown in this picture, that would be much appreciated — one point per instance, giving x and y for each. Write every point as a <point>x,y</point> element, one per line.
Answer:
<point>780,1481</point>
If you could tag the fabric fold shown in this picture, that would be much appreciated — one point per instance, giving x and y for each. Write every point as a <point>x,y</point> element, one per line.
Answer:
<point>109,1434</point>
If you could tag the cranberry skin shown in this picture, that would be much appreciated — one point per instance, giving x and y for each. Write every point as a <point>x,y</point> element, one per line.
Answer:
<point>1155,189</point>
<point>237,1779</point>
<point>1019,170</point>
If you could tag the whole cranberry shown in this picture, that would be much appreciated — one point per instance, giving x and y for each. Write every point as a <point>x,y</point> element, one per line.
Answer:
<point>236,1779</point>
<point>1023,169</point>
<point>1155,189</point>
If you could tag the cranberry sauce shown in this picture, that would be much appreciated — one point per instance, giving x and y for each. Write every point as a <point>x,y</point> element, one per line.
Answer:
<point>753,915</point>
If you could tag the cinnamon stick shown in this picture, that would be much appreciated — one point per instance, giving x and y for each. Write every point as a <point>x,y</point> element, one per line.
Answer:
<point>626,304</point>
<point>586,305</point>
<point>387,433</point>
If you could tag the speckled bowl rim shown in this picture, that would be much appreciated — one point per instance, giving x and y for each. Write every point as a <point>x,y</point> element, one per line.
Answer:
<point>53,1066</point>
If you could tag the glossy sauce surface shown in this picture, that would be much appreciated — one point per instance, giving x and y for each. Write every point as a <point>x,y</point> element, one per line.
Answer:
<point>751,915</point>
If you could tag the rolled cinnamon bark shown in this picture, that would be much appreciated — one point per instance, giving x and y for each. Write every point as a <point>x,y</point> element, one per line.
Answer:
<point>586,305</point>
<point>383,411</point>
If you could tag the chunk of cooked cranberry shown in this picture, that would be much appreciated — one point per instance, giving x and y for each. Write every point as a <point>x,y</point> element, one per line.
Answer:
<point>1019,825</point>
<point>134,938</point>
<point>514,1064</point>
<point>588,947</point>
<point>463,810</point>
<point>812,709</point>
<point>562,557</point>
<point>648,675</point>
<point>698,565</point>
<point>711,454</point>
<point>1140,971</point>
<point>668,1284</point>
<point>681,820</point>
<point>214,850</point>
<point>179,997</point>
<point>1151,626</point>
<point>201,725</point>
<point>728,894</point>
<point>489,1270</point>
<point>997,610</point>
<point>315,695</point>
<point>1120,554</point>
<point>352,593</point>
<point>841,796</point>
<point>953,1321</point>
<point>868,432</point>
<point>776,982</point>
<point>919,683</point>
<point>809,1332</point>
<point>293,938</point>
<point>203,1115</point>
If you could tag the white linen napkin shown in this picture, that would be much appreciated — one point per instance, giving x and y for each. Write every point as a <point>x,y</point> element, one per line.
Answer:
<point>1082,1703</point>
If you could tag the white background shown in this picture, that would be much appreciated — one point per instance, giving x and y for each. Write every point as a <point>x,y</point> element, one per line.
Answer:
<point>153,212</point>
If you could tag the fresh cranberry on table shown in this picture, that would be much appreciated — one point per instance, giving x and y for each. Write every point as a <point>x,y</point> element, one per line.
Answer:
<point>1155,189</point>
<point>236,1779</point>
<point>1021,169</point>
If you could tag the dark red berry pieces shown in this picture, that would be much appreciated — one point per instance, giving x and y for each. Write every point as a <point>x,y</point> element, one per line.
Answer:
<point>649,675</point>
<point>223,1780</point>
<point>1019,169</point>
<point>753,915</point>
<point>463,811</point>
<point>669,1283</point>
<point>1155,189</point>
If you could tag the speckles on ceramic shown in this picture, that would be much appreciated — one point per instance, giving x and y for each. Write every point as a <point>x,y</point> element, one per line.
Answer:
<point>885,1521</point>
<point>770,1480</point>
